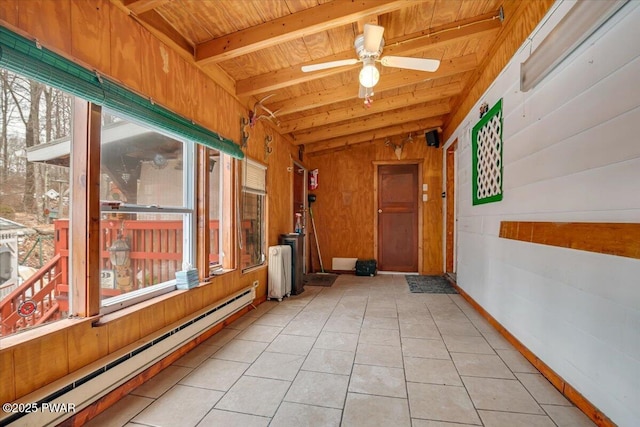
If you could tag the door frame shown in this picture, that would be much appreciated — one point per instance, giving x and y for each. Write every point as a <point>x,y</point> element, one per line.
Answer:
<point>376,164</point>
<point>450,235</point>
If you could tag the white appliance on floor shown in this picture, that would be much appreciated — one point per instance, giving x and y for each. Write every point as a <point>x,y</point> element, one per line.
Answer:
<point>279,275</point>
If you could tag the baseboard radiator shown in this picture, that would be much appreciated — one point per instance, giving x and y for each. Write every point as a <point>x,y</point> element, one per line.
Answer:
<point>81,390</point>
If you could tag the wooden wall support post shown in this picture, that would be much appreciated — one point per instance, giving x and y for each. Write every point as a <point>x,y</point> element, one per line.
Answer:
<point>202,212</point>
<point>84,240</point>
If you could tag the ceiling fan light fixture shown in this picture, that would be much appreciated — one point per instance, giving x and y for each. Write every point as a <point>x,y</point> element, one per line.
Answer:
<point>369,75</point>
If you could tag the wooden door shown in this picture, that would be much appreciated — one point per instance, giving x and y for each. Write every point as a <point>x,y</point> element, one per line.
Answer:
<point>398,217</point>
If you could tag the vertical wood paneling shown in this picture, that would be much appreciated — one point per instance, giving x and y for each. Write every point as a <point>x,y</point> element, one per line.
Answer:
<point>92,19</point>
<point>230,112</point>
<point>279,188</point>
<point>39,362</point>
<point>195,92</point>
<point>175,309</point>
<point>123,331</point>
<point>207,93</point>
<point>345,210</point>
<point>156,63</point>
<point>193,300</point>
<point>9,12</point>
<point>119,47</point>
<point>126,50</point>
<point>151,319</point>
<point>179,95</point>
<point>86,344</point>
<point>54,32</point>
<point>7,385</point>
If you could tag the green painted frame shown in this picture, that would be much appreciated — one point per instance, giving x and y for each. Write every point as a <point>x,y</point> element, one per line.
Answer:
<point>494,111</point>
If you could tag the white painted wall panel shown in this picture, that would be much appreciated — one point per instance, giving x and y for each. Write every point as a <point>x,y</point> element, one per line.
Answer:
<point>571,153</point>
<point>610,142</point>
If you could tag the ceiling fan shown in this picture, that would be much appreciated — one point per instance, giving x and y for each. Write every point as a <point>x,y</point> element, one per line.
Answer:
<point>369,48</point>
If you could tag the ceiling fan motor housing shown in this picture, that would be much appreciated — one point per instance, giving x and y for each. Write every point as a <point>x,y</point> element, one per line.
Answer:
<point>362,52</point>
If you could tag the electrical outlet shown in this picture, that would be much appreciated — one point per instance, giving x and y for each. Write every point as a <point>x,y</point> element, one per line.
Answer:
<point>255,283</point>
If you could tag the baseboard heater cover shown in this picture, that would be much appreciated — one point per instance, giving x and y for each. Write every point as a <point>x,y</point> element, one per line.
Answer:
<point>85,390</point>
<point>343,264</point>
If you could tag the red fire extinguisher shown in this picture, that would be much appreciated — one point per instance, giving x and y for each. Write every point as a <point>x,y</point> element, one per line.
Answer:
<point>313,179</point>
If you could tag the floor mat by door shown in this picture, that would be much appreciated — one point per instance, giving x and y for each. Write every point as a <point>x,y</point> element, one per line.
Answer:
<point>318,279</point>
<point>430,285</point>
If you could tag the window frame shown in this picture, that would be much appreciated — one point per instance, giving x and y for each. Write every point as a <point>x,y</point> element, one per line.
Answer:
<point>188,212</point>
<point>92,92</point>
<point>259,189</point>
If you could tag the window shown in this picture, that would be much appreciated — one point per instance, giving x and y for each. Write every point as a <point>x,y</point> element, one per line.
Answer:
<point>146,184</point>
<point>147,207</point>
<point>35,203</point>
<point>252,218</point>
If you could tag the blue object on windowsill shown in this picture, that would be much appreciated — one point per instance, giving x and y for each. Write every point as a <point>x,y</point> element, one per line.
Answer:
<point>187,279</point>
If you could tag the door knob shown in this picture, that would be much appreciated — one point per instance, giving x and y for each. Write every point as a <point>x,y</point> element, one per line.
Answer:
<point>379,210</point>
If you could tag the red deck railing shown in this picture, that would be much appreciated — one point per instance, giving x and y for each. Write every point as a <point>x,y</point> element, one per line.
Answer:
<point>39,291</point>
<point>155,248</point>
<point>155,255</point>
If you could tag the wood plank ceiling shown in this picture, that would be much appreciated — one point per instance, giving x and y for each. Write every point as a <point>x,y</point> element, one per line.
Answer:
<point>260,46</point>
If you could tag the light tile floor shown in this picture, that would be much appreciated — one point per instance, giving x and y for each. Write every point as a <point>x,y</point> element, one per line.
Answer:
<point>364,352</point>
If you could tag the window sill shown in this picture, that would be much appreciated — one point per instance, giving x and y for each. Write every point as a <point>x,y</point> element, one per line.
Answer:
<point>218,272</point>
<point>126,311</point>
<point>97,321</point>
<point>254,268</point>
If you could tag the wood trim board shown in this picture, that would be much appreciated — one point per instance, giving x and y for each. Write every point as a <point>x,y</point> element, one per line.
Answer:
<point>620,239</point>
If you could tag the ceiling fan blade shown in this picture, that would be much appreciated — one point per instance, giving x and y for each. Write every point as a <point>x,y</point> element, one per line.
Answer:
<point>372,37</point>
<point>420,64</point>
<point>330,64</point>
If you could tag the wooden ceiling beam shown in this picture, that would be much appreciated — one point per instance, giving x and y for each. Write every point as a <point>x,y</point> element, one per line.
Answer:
<point>378,106</point>
<point>481,26</point>
<point>141,6</point>
<point>153,19</point>
<point>387,82</point>
<point>377,134</point>
<point>313,20</point>
<point>291,76</point>
<point>371,122</point>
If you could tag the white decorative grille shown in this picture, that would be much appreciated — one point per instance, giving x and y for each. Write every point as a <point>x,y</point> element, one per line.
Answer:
<point>487,157</point>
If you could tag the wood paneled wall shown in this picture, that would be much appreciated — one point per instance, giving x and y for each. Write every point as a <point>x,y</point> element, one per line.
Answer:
<point>346,203</point>
<point>98,35</point>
